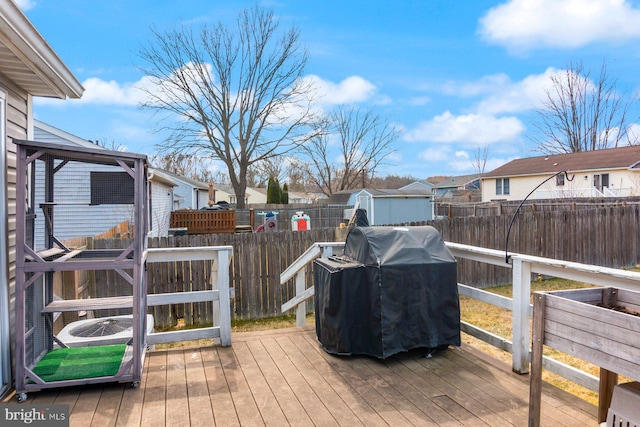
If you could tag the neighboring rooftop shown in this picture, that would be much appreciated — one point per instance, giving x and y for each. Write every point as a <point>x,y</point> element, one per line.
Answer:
<point>611,158</point>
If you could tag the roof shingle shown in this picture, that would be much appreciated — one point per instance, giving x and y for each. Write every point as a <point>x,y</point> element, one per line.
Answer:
<point>612,158</point>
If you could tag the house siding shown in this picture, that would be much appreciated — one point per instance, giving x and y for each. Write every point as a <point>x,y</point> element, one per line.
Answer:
<point>161,207</point>
<point>16,126</point>
<point>580,186</point>
<point>72,185</point>
<point>194,198</point>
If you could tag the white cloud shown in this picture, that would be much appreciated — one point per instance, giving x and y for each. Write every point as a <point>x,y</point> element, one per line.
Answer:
<point>474,129</point>
<point>458,162</point>
<point>487,84</point>
<point>500,95</point>
<point>103,92</point>
<point>515,97</point>
<point>25,4</point>
<point>98,91</point>
<point>530,24</point>
<point>419,101</point>
<point>436,154</point>
<point>350,90</point>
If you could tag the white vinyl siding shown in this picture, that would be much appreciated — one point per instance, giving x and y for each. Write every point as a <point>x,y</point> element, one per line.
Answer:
<point>5,355</point>
<point>72,185</point>
<point>161,206</point>
<point>15,126</point>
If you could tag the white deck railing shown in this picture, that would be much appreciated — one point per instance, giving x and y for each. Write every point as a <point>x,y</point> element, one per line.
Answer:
<point>522,266</point>
<point>219,295</point>
<point>582,192</point>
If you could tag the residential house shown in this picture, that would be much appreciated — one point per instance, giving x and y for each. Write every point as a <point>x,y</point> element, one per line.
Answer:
<point>341,198</point>
<point>75,180</point>
<point>252,195</point>
<point>189,193</point>
<point>297,198</point>
<point>393,206</point>
<point>256,195</point>
<point>459,189</point>
<point>28,68</point>
<point>613,172</point>
<point>419,185</point>
<point>160,202</point>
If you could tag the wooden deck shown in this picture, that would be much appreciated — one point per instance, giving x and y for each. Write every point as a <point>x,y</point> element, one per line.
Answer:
<point>283,377</point>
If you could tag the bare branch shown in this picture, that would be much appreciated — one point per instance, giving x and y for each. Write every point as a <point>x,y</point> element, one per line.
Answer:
<point>364,140</point>
<point>234,94</point>
<point>581,114</point>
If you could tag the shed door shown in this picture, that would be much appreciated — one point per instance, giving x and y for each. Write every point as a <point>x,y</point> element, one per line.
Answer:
<point>364,201</point>
<point>4,253</point>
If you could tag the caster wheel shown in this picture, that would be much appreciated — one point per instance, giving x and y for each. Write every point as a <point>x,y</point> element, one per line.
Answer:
<point>22,397</point>
<point>135,384</point>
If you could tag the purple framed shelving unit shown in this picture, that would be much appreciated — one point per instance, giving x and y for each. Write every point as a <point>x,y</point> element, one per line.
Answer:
<point>62,191</point>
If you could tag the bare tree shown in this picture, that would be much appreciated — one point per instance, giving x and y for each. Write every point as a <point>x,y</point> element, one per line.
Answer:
<point>347,152</point>
<point>183,164</point>
<point>480,156</point>
<point>234,94</point>
<point>392,181</point>
<point>260,172</point>
<point>580,114</point>
<point>108,145</point>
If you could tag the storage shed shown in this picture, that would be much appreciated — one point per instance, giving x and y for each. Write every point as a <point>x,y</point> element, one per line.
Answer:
<point>392,207</point>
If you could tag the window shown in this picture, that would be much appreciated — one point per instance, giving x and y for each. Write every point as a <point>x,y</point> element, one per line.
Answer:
<point>601,181</point>
<point>560,180</point>
<point>111,188</point>
<point>502,186</point>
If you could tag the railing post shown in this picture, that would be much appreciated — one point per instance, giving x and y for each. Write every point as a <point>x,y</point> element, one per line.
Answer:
<point>223,298</point>
<point>521,297</point>
<point>301,310</point>
<point>327,251</point>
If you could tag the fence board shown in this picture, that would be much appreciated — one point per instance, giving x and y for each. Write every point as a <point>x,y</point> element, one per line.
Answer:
<point>605,236</point>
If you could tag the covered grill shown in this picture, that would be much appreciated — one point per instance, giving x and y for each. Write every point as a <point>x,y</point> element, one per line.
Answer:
<point>394,290</point>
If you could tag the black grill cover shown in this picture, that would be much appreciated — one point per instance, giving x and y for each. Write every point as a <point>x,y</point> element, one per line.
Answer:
<point>394,290</point>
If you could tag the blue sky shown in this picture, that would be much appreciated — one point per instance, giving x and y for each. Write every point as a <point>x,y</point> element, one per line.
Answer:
<point>454,76</point>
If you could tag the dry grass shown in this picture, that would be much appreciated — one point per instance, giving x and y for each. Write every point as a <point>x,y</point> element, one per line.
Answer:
<point>237,326</point>
<point>498,321</point>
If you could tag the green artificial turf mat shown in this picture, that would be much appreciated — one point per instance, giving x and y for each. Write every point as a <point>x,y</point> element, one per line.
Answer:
<point>82,362</point>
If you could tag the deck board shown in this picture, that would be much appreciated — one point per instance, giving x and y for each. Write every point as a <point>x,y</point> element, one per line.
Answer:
<point>200,411</point>
<point>221,398</point>
<point>154,404</point>
<point>177,400</point>
<point>284,377</point>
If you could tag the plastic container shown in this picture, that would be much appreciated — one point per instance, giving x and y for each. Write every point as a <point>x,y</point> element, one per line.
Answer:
<point>300,221</point>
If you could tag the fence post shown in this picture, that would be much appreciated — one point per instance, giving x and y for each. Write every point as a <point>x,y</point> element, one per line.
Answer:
<point>301,310</point>
<point>223,298</point>
<point>520,313</point>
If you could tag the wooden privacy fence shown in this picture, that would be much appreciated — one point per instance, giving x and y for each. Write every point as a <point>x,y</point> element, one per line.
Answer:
<point>204,221</point>
<point>605,237</point>
<point>258,260</point>
<point>320,216</point>
<point>508,207</point>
